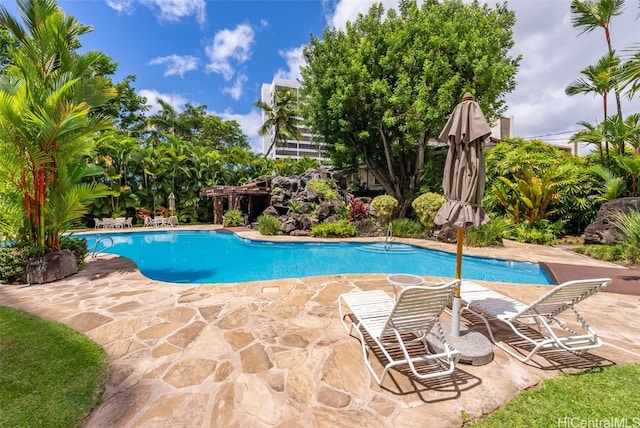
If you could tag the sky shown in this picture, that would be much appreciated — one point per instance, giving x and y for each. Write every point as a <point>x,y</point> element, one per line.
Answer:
<point>218,53</point>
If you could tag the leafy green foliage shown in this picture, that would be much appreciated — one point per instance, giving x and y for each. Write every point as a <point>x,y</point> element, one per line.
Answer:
<point>323,187</point>
<point>544,232</point>
<point>407,228</point>
<point>573,204</point>
<point>13,262</point>
<point>78,246</point>
<point>295,206</point>
<point>51,375</point>
<point>629,224</point>
<point>269,225</point>
<point>608,253</point>
<point>339,229</point>
<point>488,235</point>
<point>383,207</point>
<point>426,207</point>
<point>379,90</point>
<point>357,210</point>
<point>233,218</point>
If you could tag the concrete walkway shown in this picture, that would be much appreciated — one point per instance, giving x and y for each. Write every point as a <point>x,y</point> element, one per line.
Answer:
<point>274,354</point>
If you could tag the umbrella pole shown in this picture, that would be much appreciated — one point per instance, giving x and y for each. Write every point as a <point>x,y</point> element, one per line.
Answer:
<point>457,301</point>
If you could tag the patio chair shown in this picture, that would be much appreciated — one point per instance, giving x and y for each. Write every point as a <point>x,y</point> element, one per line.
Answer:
<point>128,222</point>
<point>109,223</point>
<point>537,324</point>
<point>98,223</point>
<point>399,328</point>
<point>173,221</point>
<point>148,222</point>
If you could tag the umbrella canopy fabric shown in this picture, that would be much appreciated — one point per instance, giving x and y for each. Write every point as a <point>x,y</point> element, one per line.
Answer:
<point>464,172</point>
<point>172,202</point>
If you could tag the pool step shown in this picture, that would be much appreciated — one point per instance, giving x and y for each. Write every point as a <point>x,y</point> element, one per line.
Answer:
<point>382,247</point>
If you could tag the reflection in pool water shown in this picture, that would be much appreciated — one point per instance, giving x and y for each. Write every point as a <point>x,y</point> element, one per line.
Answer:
<point>215,257</point>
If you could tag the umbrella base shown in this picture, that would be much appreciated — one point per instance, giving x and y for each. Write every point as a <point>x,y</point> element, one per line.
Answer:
<point>474,347</point>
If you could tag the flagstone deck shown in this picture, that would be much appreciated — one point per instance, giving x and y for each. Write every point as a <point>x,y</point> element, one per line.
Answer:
<point>274,354</point>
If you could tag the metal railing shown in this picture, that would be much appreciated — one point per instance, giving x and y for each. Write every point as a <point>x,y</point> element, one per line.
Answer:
<point>95,251</point>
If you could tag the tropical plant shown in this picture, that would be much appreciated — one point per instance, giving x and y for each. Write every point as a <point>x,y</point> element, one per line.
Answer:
<point>233,218</point>
<point>269,225</point>
<point>426,207</point>
<point>528,198</point>
<point>406,228</point>
<point>340,229</point>
<point>544,233</point>
<point>631,165</point>
<point>295,206</point>
<point>599,79</point>
<point>357,210</point>
<point>612,186</point>
<point>629,224</point>
<point>281,117</point>
<point>381,89</point>
<point>588,15</point>
<point>488,235</point>
<point>383,207</point>
<point>323,187</point>
<point>46,120</point>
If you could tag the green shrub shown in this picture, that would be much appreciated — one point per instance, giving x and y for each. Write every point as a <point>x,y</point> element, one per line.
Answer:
<point>426,207</point>
<point>233,218</point>
<point>488,235</point>
<point>406,228</point>
<point>323,187</point>
<point>629,224</point>
<point>383,207</point>
<point>357,210</point>
<point>341,229</point>
<point>78,246</point>
<point>13,263</point>
<point>269,225</point>
<point>607,253</point>
<point>295,206</point>
<point>544,232</point>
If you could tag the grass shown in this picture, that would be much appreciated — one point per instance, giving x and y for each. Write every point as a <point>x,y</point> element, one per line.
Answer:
<point>599,397</point>
<point>50,375</point>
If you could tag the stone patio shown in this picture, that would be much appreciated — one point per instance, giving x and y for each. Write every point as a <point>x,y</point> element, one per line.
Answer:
<point>274,354</point>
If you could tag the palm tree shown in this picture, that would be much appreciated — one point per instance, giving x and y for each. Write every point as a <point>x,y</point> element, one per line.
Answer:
<point>591,134</point>
<point>46,99</point>
<point>630,73</point>
<point>588,15</point>
<point>282,117</point>
<point>599,79</point>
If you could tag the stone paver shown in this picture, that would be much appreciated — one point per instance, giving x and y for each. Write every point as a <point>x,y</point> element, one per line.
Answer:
<point>274,354</point>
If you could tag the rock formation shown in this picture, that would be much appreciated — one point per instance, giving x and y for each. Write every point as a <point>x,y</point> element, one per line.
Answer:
<point>602,231</point>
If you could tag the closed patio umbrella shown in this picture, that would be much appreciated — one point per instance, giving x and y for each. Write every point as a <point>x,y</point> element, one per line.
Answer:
<point>172,202</point>
<point>464,180</point>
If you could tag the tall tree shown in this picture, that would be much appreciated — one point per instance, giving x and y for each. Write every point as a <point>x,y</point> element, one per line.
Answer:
<point>47,94</point>
<point>281,117</point>
<point>599,79</point>
<point>588,15</point>
<point>382,88</point>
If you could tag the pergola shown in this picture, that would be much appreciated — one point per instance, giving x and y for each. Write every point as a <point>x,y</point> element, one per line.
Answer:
<point>260,187</point>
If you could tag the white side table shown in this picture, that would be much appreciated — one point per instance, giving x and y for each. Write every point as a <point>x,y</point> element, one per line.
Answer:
<point>401,280</point>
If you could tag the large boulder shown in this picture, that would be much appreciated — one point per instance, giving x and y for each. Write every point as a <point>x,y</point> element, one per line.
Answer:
<point>51,267</point>
<point>602,231</point>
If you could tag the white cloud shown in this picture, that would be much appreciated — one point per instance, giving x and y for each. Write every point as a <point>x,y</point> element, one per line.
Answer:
<point>121,6</point>
<point>176,101</point>
<point>294,62</point>
<point>236,90</point>
<point>250,124</point>
<point>230,45</point>
<point>175,10</point>
<point>348,10</point>
<point>176,65</point>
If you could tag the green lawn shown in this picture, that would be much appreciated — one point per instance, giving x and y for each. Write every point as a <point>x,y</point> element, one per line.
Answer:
<point>50,375</point>
<point>602,397</point>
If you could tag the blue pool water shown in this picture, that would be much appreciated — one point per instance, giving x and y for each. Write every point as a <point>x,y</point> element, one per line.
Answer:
<point>198,257</point>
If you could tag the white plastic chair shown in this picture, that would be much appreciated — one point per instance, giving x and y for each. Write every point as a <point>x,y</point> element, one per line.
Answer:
<point>98,223</point>
<point>541,316</point>
<point>395,326</point>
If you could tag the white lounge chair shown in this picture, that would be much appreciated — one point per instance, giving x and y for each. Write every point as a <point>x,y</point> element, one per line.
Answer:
<point>548,331</point>
<point>400,327</point>
<point>98,223</point>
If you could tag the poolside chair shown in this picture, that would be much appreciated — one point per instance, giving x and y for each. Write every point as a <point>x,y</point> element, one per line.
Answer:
<point>173,221</point>
<point>98,223</point>
<point>537,324</point>
<point>128,222</point>
<point>399,328</point>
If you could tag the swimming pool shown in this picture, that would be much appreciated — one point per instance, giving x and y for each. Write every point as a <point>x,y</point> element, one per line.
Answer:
<point>199,257</point>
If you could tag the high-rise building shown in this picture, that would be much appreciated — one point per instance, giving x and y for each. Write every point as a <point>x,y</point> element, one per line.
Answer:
<point>308,144</point>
